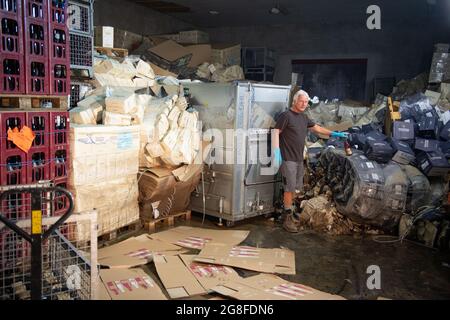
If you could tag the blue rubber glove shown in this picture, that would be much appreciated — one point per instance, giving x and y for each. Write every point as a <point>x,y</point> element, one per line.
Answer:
<point>336,134</point>
<point>277,157</point>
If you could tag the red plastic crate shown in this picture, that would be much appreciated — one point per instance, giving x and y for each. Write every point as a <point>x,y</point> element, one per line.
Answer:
<point>11,32</point>
<point>58,12</point>
<point>39,164</point>
<point>37,76</point>
<point>59,48</point>
<point>8,120</point>
<point>14,168</point>
<point>59,130</point>
<point>12,74</point>
<point>39,122</point>
<point>13,171</point>
<point>59,166</point>
<point>59,79</point>
<point>36,35</point>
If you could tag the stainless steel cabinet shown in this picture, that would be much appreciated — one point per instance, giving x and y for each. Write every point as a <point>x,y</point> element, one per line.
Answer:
<point>243,114</point>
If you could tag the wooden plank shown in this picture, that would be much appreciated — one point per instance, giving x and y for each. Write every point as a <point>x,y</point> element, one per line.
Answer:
<point>112,52</point>
<point>150,226</point>
<point>24,102</point>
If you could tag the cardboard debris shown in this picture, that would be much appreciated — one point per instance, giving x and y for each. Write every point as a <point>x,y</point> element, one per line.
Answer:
<point>130,284</point>
<point>134,252</point>
<point>176,277</point>
<point>169,55</point>
<point>270,287</point>
<point>200,53</point>
<point>257,259</point>
<point>226,54</point>
<point>209,275</point>
<point>196,238</point>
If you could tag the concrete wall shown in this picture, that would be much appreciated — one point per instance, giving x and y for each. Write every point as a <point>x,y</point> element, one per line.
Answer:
<point>403,47</point>
<point>132,17</point>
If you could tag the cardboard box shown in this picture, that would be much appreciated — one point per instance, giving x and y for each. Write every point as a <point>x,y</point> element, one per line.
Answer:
<point>433,96</point>
<point>196,238</point>
<point>200,53</point>
<point>257,259</point>
<point>169,56</point>
<point>176,277</point>
<point>270,287</point>
<point>80,115</point>
<point>380,151</point>
<point>226,54</point>
<point>121,104</point>
<point>428,127</point>
<point>130,284</point>
<point>135,251</point>
<point>426,145</point>
<point>104,36</point>
<point>103,153</point>
<point>403,130</point>
<point>209,275</point>
<point>173,36</point>
<point>127,40</point>
<point>193,37</point>
<point>116,204</point>
<point>403,153</point>
<point>433,164</point>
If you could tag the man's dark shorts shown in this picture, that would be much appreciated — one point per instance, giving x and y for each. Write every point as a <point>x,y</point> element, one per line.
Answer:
<point>292,173</point>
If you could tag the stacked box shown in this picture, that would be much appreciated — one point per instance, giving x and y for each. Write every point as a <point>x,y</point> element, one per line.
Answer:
<point>103,175</point>
<point>433,164</point>
<point>403,153</point>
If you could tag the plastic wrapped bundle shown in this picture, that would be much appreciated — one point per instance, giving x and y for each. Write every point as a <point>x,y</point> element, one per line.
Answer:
<point>380,151</point>
<point>418,189</point>
<point>361,190</point>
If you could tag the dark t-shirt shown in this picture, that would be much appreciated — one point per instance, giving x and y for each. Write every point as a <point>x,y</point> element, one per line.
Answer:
<point>294,128</point>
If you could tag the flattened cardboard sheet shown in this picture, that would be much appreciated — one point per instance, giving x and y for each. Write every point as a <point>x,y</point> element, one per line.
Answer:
<point>257,259</point>
<point>209,275</point>
<point>129,284</point>
<point>271,287</point>
<point>176,277</point>
<point>196,238</point>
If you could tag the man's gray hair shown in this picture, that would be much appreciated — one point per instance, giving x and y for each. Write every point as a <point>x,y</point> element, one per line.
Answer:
<point>298,94</point>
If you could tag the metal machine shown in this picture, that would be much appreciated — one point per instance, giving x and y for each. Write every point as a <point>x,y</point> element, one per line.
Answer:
<point>243,114</point>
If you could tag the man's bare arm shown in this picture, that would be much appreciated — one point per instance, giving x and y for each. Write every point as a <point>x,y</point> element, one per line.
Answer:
<point>320,130</point>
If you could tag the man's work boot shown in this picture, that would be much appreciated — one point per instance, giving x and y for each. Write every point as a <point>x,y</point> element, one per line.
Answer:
<point>291,224</point>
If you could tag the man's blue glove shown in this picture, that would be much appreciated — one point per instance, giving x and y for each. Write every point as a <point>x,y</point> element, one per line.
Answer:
<point>336,134</point>
<point>277,157</point>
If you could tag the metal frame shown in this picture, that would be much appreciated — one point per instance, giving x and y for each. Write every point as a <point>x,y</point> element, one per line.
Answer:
<point>45,231</point>
<point>88,35</point>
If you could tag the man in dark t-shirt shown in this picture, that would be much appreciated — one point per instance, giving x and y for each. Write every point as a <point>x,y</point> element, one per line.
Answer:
<point>289,145</point>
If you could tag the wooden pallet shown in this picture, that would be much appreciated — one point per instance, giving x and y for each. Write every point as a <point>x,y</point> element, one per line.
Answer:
<point>150,226</point>
<point>112,52</point>
<point>121,232</point>
<point>26,102</point>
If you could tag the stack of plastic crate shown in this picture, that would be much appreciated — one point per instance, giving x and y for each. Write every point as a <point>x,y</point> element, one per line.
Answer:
<point>12,73</point>
<point>59,56</point>
<point>36,47</point>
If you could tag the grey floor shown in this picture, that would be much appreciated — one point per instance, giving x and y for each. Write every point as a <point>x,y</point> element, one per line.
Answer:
<point>338,264</point>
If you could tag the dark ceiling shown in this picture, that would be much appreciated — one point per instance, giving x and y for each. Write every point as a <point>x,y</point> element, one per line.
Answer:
<point>256,12</point>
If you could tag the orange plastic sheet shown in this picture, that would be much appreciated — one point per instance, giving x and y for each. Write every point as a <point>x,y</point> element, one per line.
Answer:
<point>23,139</point>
